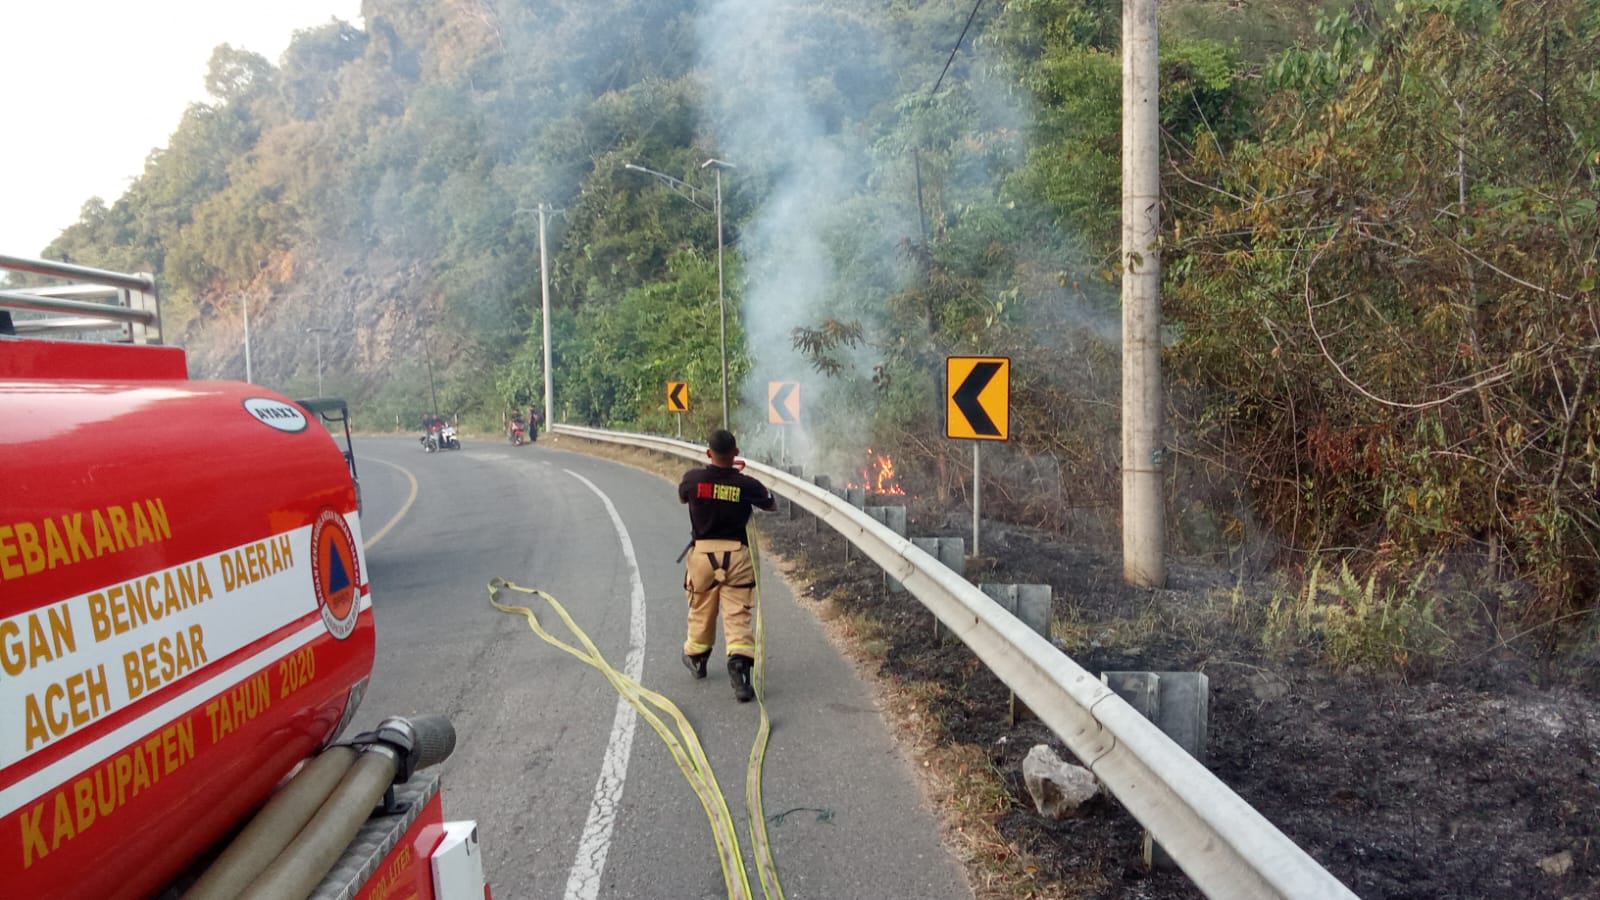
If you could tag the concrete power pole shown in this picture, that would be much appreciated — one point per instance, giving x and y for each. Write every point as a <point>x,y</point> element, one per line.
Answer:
<point>1143,518</point>
<point>249,375</point>
<point>319,332</point>
<point>544,299</point>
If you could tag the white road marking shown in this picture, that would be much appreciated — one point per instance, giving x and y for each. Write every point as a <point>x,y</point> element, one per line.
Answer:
<point>583,883</point>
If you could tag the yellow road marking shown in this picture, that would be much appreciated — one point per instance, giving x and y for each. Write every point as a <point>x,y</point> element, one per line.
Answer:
<point>405,507</point>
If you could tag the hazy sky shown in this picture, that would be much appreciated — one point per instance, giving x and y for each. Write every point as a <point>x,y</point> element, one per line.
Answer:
<point>89,87</point>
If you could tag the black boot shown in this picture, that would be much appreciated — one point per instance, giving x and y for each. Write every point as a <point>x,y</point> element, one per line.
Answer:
<point>739,673</point>
<point>696,663</point>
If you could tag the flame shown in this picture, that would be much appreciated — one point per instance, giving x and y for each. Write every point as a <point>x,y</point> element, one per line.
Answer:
<point>885,475</point>
<point>878,475</point>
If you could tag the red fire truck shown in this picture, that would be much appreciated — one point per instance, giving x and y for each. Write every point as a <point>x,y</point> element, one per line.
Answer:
<point>186,628</point>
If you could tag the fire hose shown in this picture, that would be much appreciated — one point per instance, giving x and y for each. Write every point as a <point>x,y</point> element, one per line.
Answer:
<point>684,743</point>
<point>295,840</point>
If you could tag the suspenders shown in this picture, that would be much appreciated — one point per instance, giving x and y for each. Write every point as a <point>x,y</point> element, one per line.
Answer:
<point>720,570</point>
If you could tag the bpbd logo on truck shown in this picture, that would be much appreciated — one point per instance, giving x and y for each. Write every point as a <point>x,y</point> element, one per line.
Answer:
<point>337,575</point>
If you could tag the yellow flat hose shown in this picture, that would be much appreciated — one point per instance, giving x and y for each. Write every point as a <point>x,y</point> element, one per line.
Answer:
<point>755,811</point>
<point>684,744</point>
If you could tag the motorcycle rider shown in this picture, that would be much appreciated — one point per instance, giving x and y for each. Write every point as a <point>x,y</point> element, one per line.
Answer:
<point>438,434</point>
<point>432,427</point>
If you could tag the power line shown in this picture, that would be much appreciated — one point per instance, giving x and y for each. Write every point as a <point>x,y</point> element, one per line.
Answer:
<point>957,46</point>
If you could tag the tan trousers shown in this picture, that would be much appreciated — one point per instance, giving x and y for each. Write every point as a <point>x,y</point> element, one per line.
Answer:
<point>716,585</point>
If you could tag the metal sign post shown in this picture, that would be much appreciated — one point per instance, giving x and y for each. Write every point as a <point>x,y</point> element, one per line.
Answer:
<point>977,497</point>
<point>977,394</point>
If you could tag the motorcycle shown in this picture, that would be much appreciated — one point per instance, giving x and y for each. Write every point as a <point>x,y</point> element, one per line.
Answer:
<point>518,435</point>
<point>447,438</point>
<point>442,437</point>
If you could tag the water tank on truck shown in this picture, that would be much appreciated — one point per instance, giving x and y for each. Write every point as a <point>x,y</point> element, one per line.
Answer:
<point>185,613</point>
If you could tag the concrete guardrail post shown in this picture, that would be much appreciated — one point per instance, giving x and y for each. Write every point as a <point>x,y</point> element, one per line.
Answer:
<point>1179,703</point>
<point>856,497</point>
<point>790,511</point>
<point>826,483</point>
<point>894,519</point>
<point>1031,604</point>
<point>952,552</point>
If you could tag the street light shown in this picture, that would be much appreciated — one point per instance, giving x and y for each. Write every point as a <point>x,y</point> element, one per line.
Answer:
<point>319,332</point>
<point>722,309</point>
<point>676,182</point>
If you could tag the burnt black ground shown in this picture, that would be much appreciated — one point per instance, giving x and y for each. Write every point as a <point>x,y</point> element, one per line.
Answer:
<point>1480,780</point>
<point>1475,776</point>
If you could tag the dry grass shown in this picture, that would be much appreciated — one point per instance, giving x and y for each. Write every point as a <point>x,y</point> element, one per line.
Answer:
<point>668,467</point>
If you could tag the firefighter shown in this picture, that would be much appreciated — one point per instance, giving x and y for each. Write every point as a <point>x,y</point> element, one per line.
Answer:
<point>720,575</point>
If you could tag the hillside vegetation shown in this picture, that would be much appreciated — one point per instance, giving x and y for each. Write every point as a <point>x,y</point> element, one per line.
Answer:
<point>1379,257</point>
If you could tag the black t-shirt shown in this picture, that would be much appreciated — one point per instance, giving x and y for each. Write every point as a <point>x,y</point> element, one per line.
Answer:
<point>719,501</point>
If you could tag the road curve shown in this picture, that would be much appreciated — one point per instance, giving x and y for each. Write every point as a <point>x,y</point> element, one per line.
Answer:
<point>540,733</point>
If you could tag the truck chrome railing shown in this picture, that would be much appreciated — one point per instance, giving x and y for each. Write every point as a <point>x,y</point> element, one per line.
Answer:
<point>80,304</point>
<point>1227,848</point>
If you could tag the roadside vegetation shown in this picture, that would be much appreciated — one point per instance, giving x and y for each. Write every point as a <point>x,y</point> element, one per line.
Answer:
<point>1473,781</point>
<point>1379,254</point>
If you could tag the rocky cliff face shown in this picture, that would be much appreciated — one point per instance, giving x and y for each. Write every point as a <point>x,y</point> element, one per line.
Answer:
<point>375,319</point>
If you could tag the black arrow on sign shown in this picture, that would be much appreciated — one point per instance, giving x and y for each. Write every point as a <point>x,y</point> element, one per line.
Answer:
<point>966,398</point>
<point>780,402</point>
<point>676,396</point>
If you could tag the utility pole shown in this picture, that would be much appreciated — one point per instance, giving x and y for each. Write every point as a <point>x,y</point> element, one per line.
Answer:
<point>244,301</point>
<point>544,299</point>
<point>427,354</point>
<point>1143,518</point>
<point>319,332</point>
<point>434,394</point>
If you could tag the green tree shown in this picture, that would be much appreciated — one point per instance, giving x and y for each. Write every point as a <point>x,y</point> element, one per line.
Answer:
<point>666,331</point>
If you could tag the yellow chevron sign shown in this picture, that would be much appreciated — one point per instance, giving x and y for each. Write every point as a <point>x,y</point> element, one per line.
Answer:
<point>977,391</point>
<point>783,402</point>
<point>677,396</point>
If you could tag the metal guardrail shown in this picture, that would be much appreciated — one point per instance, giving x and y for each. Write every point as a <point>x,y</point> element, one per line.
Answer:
<point>1227,848</point>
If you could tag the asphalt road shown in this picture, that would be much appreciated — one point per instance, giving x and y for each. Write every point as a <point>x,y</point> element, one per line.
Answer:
<point>573,796</point>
